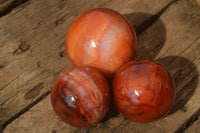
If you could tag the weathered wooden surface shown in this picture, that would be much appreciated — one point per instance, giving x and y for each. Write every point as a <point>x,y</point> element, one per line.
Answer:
<point>31,57</point>
<point>179,51</point>
<point>32,46</point>
<point>46,122</point>
<point>194,128</point>
<point>6,6</point>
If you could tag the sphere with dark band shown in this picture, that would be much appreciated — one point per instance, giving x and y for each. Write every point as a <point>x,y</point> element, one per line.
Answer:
<point>143,90</point>
<point>101,38</point>
<point>80,97</point>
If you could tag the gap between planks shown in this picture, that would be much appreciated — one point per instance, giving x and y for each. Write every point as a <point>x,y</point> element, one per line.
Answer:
<point>10,5</point>
<point>189,122</point>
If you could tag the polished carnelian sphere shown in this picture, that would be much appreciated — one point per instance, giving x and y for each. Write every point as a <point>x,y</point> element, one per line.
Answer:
<point>102,39</point>
<point>80,97</point>
<point>143,90</point>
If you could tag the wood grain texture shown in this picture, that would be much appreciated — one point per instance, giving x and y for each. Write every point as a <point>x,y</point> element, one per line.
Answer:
<point>6,6</point>
<point>179,51</point>
<point>180,54</point>
<point>44,109</point>
<point>172,40</point>
<point>32,45</point>
<point>194,128</point>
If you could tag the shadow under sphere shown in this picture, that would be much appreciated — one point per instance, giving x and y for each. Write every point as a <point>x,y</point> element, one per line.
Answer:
<point>151,34</point>
<point>186,78</point>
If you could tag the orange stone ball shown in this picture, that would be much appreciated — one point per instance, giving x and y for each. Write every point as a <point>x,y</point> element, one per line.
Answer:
<point>80,97</point>
<point>143,90</point>
<point>102,39</point>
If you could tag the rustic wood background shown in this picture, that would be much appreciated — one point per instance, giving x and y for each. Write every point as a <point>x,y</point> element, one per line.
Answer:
<point>32,55</point>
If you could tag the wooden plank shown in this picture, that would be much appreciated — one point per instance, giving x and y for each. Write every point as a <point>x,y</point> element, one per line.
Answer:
<point>174,41</point>
<point>32,45</point>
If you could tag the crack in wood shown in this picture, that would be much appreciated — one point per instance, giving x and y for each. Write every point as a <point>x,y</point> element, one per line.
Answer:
<point>9,82</point>
<point>28,107</point>
<point>5,124</point>
<point>189,122</point>
<point>11,6</point>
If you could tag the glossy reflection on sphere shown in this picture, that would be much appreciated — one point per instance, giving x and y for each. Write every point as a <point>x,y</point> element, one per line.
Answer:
<point>100,38</point>
<point>143,90</point>
<point>80,97</point>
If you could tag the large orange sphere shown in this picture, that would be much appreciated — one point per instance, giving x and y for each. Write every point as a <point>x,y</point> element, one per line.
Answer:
<point>80,97</point>
<point>102,39</point>
<point>143,90</point>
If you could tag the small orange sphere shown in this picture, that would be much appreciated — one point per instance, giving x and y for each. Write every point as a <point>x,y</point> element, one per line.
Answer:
<point>143,90</point>
<point>80,97</point>
<point>102,39</point>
